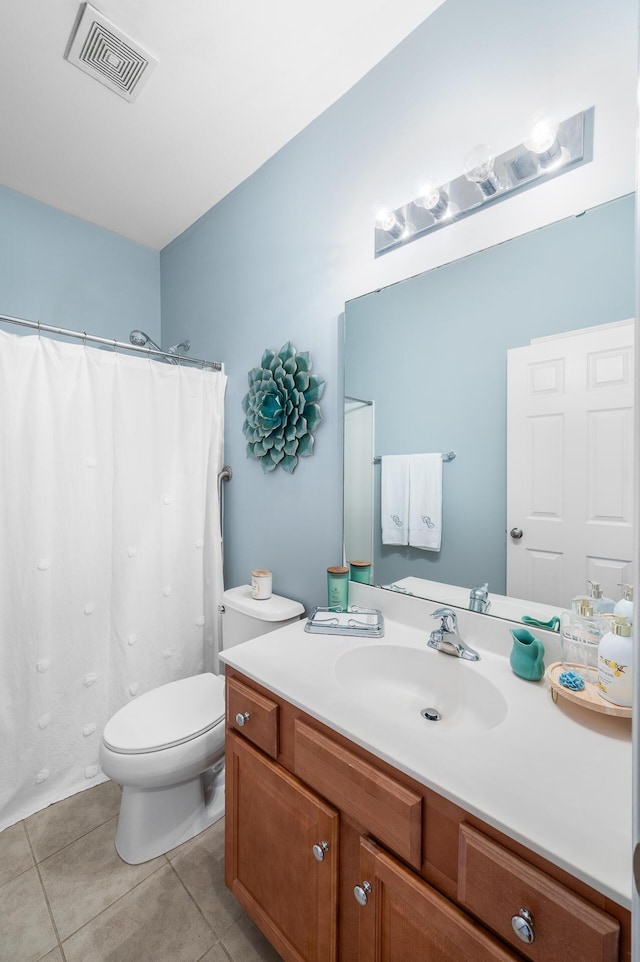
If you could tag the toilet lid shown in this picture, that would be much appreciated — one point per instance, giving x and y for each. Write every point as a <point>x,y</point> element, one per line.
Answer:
<point>169,715</point>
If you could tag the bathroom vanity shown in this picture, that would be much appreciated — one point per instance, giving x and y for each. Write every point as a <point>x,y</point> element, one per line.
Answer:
<point>356,829</point>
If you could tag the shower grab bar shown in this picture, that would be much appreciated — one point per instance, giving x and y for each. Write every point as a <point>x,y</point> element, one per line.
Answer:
<point>224,475</point>
<point>111,342</point>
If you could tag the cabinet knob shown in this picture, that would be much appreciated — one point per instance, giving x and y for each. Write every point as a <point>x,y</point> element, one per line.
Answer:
<point>320,850</point>
<point>361,893</point>
<point>516,533</point>
<point>241,718</point>
<point>522,925</point>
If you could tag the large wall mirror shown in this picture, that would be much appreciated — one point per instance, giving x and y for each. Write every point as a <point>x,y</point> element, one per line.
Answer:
<point>426,370</point>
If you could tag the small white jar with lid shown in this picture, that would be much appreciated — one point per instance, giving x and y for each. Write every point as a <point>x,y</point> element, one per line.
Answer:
<point>615,654</point>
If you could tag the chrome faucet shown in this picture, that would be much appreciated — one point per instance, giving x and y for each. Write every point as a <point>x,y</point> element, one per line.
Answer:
<point>479,599</point>
<point>446,637</point>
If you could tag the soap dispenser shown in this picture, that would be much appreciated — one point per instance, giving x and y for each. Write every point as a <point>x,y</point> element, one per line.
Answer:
<point>615,654</point>
<point>580,636</point>
<point>600,605</point>
<point>624,607</point>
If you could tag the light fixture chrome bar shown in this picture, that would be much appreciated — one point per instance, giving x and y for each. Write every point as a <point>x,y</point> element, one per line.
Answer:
<point>513,171</point>
<point>111,342</point>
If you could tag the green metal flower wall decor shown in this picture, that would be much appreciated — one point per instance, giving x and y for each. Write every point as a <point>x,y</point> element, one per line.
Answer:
<point>282,409</point>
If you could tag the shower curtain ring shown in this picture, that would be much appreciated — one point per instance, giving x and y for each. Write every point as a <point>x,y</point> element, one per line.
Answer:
<point>84,338</point>
<point>115,346</point>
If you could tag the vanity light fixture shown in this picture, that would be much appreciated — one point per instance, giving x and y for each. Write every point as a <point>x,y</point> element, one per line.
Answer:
<point>549,150</point>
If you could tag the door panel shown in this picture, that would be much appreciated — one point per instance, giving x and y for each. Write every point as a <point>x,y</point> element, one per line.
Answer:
<point>570,464</point>
<point>406,920</point>
<point>272,825</point>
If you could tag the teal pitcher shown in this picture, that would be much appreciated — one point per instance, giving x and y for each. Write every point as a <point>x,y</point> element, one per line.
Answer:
<point>527,655</point>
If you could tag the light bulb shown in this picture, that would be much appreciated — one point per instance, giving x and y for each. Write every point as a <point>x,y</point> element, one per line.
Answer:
<point>479,169</point>
<point>434,199</point>
<point>542,140</point>
<point>388,221</point>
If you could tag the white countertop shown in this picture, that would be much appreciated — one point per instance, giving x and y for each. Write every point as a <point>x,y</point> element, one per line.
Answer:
<point>555,777</point>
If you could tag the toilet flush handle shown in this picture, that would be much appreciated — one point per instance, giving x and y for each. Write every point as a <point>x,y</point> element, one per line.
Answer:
<point>241,718</point>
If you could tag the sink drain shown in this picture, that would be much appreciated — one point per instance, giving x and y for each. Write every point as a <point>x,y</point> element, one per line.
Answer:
<point>431,714</point>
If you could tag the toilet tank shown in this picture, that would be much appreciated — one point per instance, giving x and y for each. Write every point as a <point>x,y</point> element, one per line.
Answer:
<point>244,617</point>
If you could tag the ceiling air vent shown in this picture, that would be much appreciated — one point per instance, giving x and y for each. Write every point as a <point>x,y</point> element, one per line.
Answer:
<point>107,54</point>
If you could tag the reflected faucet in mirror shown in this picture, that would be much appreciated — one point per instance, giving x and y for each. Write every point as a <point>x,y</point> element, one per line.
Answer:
<point>479,599</point>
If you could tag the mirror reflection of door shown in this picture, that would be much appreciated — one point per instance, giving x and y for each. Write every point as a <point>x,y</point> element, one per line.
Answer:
<point>570,464</point>
<point>358,480</point>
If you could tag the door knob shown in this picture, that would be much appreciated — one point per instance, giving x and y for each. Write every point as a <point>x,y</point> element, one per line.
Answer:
<point>241,718</point>
<point>516,533</point>
<point>320,850</point>
<point>522,925</point>
<point>362,892</point>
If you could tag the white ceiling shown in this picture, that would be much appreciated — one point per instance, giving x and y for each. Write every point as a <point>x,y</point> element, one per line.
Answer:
<point>235,81</point>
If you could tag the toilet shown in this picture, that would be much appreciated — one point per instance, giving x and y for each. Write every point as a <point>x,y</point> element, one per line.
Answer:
<point>166,748</point>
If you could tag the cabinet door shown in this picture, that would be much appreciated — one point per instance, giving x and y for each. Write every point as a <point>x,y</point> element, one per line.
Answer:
<point>405,920</point>
<point>272,825</point>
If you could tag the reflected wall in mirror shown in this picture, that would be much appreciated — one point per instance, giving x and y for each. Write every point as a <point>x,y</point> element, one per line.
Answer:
<point>431,353</point>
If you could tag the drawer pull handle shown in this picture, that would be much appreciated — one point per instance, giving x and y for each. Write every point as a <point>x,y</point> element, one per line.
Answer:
<point>522,925</point>
<point>361,893</point>
<point>319,851</point>
<point>241,718</point>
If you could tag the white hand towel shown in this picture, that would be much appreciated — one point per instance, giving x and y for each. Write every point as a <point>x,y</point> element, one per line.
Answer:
<point>394,499</point>
<point>425,501</point>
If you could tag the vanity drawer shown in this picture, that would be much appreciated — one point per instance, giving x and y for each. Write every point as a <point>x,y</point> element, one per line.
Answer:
<point>254,715</point>
<point>494,884</point>
<point>391,812</point>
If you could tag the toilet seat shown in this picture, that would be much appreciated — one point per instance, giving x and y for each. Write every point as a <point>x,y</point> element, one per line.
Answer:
<point>167,716</point>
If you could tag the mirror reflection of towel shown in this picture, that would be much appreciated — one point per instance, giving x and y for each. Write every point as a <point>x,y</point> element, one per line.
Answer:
<point>425,501</point>
<point>394,499</point>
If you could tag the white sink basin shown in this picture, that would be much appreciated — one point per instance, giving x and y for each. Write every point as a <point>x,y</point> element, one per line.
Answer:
<point>398,681</point>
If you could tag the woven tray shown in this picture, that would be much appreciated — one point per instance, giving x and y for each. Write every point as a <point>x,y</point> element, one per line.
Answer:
<point>588,697</point>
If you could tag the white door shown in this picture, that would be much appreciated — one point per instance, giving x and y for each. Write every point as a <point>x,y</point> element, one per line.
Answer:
<point>570,464</point>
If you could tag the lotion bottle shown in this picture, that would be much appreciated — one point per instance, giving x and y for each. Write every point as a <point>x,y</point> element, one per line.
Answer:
<point>615,654</point>
<point>624,607</point>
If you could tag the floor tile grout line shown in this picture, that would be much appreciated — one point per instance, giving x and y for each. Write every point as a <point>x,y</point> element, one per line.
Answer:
<point>115,901</point>
<point>29,867</point>
<point>44,890</point>
<point>207,923</point>
<point>62,847</point>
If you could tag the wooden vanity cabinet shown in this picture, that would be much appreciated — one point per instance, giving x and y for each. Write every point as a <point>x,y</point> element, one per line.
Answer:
<point>273,827</point>
<point>404,875</point>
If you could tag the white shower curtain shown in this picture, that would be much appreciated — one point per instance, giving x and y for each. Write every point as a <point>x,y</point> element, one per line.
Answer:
<point>110,550</point>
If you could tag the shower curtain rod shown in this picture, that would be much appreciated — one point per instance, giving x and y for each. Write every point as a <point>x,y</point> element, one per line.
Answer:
<point>111,342</point>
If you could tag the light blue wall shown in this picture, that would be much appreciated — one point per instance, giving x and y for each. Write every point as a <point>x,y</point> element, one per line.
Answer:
<point>279,256</point>
<point>62,271</point>
<point>431,352</point>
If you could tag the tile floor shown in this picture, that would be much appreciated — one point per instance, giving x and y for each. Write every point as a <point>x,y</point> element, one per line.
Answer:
<point>66,896</point>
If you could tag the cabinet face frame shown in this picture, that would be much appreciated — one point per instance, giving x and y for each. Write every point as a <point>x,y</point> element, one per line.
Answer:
<point>272,823</point>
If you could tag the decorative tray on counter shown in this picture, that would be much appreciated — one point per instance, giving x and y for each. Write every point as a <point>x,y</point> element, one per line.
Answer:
<point>588,697</point>
<point>355,621</point>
